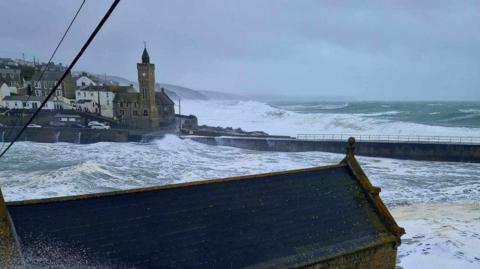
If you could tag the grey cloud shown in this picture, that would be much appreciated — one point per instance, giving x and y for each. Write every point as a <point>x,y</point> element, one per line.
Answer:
<point>406,50</point>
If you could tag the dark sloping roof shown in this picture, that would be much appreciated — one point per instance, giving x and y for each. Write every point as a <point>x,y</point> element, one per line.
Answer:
<point>285,219</point>
<point>161,98</point>
<point>84,101</point>
<point>107,88</point>
<point>48,75</point>
<point>23,98</point>
<point>126,97</point>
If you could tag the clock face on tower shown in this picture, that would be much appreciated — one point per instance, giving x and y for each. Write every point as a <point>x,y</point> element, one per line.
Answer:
<point>143,74</point>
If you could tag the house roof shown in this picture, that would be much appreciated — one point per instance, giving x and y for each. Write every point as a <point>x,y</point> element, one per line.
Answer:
<point>83,101</point>
<point>23,98</point>
<point>124,96</point>
<point>161,98</point>
<point>67,116</point>
<point>277,220</point>
<point>15,72</point>
<point>48,75</point>
<point>106,88</point>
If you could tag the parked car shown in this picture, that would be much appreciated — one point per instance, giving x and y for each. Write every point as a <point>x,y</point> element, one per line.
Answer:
<point>100,126</point>
<point>93,123</point>
<point>33,125</point>
<point>2,125</point>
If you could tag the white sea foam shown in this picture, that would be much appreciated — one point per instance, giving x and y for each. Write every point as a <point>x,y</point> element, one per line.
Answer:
<point>470,110</point>
<point>440,235</point>
<point>253,116</point>
<point>34,170</point>
<point>386,113</point>
<point>427,197</point>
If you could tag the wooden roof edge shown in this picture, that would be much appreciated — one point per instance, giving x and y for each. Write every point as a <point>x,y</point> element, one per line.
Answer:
<point>168,186</point>
<point>371,191</point>
<point>310,262</point>
<point>10,252</point>
<point>380,242</point>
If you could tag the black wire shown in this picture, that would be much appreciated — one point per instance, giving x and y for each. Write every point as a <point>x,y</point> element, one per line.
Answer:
<point>75,60</point>
<point>50,60</point>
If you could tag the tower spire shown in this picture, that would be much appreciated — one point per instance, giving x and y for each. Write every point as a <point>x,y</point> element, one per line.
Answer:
<point>145,56</point>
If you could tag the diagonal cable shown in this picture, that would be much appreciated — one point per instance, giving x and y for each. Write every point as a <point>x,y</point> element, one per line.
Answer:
<point>51,58</point>
<point>75,60</point>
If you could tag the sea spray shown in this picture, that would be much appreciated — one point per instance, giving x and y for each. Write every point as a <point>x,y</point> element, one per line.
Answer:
<point>57,136</point>
<point>79,138</point>
<point>360,118</point>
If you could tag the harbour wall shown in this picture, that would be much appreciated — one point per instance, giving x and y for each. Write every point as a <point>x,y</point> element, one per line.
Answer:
<point>70,135</point>
<point>424,151</point>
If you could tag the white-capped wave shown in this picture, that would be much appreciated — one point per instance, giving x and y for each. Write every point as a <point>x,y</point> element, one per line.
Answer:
<point>257,116</point>
<point>386,113</point>
<point>470,110</point>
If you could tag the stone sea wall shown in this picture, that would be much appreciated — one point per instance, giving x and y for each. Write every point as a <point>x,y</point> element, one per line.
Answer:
<point>397,150</point>
<point>69,135</point>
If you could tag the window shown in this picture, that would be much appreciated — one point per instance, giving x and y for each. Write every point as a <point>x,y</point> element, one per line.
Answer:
<point>135,113</point>
<point>145,113</point>
<point>24,104</point>
<point>121,104</point>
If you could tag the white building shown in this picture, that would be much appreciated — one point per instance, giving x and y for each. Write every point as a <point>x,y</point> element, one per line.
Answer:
<point>85,81</point>
<point>89,97</point>
<point>4,90</point>
<point>26,102</point>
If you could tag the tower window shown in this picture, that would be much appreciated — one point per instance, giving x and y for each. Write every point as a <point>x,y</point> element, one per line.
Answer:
<point>145,113</point>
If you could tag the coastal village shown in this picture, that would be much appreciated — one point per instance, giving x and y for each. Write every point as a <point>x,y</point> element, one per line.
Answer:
<point>84,100</point>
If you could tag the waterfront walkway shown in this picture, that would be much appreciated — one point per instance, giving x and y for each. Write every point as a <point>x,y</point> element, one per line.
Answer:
<point>435,148</point>
<point>432,139</point>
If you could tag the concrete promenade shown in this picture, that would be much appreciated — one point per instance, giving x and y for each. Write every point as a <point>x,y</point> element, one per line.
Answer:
<point>434,150</point>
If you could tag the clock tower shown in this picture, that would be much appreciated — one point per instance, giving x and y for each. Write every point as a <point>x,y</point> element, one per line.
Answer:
<point>146,84</point>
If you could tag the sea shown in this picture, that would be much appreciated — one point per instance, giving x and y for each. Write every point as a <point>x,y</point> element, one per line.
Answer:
<point>438,203</point>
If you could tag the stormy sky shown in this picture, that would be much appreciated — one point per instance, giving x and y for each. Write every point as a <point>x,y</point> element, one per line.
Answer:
<point>367,50</point>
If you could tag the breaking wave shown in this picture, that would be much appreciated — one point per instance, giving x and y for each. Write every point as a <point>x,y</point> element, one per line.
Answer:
<point>257,116</point>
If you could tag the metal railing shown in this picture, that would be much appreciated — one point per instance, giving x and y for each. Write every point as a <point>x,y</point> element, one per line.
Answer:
<point>393,138</point>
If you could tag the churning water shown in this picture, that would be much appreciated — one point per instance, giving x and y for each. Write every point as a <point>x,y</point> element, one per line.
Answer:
<point>437,203</point>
